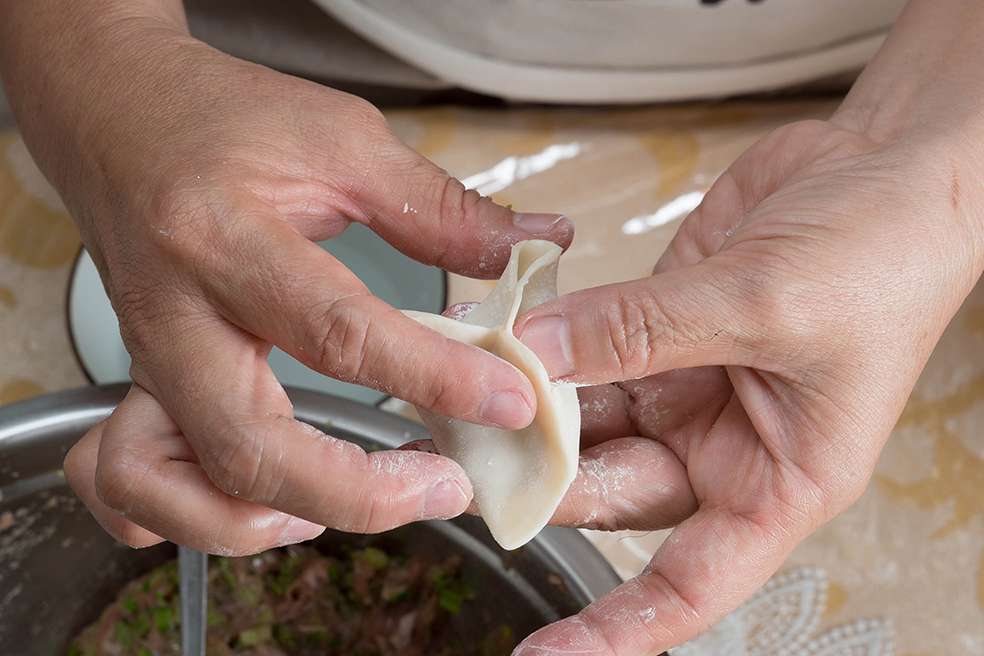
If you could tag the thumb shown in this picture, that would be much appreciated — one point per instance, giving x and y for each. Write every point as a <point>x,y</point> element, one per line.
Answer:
<point>689,317</point>
<point>428,215</point>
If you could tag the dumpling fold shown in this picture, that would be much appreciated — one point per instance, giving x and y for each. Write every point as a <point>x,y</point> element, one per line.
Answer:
<point>519,477</point>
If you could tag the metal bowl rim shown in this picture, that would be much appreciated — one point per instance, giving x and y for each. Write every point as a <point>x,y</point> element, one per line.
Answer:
<point>32,419</point>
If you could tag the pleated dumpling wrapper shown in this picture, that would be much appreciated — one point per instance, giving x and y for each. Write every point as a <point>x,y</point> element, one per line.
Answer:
<point>519,477</point>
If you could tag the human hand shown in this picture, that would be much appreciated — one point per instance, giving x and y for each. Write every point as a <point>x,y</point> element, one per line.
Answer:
<point>200,195</point>
<point>744,391</point>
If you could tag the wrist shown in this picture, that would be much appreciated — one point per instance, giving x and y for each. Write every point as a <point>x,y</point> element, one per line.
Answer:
<point>64,72</point>
<point>93,133</point>
<point>920,98</point>
<point>926,76</point>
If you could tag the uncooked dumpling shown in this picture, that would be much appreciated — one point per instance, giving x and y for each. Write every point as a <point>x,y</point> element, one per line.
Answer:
<point>519,477</point>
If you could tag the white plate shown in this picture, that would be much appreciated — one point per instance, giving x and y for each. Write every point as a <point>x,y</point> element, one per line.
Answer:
<point>390,275</point>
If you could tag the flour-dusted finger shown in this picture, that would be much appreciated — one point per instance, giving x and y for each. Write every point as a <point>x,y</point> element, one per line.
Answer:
<point>627,483</point>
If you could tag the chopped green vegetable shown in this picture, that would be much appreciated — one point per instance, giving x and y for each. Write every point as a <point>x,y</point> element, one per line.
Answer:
<point>164,618</point>
<point>348,580</point>
<point>125,635</point>
<point>168,573</point>
<point>393,593</point>
<point>436,575</point>
<point>452,592</point>
<point>225,569</point>
<point>163,580</point>
<point>257,635</point>
<point>375,559</point>
<point>286,575</point>
<point>142,625</point>
<point>318,637</point>
<point>265,615</point>
<point>452,599</point>
<point>215,618</point>
<point>285,636</point>
<point>130,605</point>
<point>249,591</point>
<point>297,600</point>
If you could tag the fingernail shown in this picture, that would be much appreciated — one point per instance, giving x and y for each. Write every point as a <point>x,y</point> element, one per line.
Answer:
<point>459,311</point>
<point>550,338</point>
<point>569,636</point>
<point>425,446</point>
<point>446,499</point>
<point>299,530</point>
<point>506,410</point>
<point>537,223</point>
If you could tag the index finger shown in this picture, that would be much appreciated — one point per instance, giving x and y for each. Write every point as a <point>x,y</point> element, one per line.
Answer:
<point>288,291</point>
<point>430,216</point>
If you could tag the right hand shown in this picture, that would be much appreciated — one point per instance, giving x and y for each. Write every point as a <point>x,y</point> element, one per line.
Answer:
<point>204,185</point>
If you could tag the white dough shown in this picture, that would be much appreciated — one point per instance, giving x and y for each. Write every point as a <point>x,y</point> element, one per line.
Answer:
<point>519,476</point>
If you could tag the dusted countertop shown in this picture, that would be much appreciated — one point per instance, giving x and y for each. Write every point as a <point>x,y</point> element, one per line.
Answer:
<point>901,572</point>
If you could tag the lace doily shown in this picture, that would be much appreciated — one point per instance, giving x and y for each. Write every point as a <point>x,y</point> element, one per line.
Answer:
<point>782,620</point>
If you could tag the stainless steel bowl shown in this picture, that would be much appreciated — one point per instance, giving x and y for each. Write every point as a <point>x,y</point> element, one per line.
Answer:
<point>58,569</point>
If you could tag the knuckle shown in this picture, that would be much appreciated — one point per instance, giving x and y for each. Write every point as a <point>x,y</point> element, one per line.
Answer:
<point>454,202</point>
<point>641,328</point>
<point>359,112</point>
<point>775,311</point>
<point>683,607</point>
<point>370,116</point>
<point>629,344</point>
<point>453,206</point>
<point>359,129</point>
<point>197,221</point>
<point>340,333</point>
<point>246,464</point>
<point>356,508</point>
<point>368,509</point>
<point>182,216</point>
<point>152,284</point>
<point>781,315</point>
<point>363,515</point>
<point>140,314</point>
<point>355,512</point>
<point>437,394</point>
<point>604,518</point>
<point>116,481</point>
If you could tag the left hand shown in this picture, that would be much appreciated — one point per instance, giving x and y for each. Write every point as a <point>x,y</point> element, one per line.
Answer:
<point>745,389</point>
